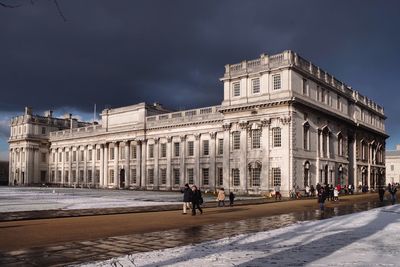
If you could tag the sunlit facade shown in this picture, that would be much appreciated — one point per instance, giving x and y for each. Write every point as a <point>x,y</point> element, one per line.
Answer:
<point>283,121</point>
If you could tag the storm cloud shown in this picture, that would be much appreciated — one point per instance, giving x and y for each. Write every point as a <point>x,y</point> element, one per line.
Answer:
<point>116,53</point>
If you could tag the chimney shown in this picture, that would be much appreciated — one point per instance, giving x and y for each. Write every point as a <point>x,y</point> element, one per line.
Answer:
<point>28,111</point>
<point>48,114</point>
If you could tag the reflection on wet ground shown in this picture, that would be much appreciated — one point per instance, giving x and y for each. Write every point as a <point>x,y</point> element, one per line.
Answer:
<point>106,248</point>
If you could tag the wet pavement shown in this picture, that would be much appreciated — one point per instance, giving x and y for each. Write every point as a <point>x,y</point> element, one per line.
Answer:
<point>71,253</point>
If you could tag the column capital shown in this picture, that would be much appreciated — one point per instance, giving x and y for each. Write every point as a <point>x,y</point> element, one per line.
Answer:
<point>213,135</point>
<point>197,136</point>
<point>243,124</point>
<point>285,120</point>
<point>226,126</point>
<point>183,138</point>
<point>156,140</point>
<point>266,122</point>
<point>169,139</point>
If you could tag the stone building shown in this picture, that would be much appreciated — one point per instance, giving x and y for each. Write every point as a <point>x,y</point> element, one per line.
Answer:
<point>393,165</point>
<point>4,172</point>
<point>283,121</point>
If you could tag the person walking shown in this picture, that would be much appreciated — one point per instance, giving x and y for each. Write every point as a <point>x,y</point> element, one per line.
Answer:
<point>196,199</point>
<point>336,194</point>
<point>187,198</point>
<point>221,198</point>
<point>392,191</point>
<point>321,199</point>
<point>231,198</point>
<point>312,190</point>
<point>307,191</point>
<point>381,192</point>
<point>278,192</point>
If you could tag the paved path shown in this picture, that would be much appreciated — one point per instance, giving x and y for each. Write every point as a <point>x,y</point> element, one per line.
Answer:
<point>52,242</point>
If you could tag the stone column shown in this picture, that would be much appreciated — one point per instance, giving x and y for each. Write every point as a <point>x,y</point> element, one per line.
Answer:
<point>226,156</point>
<point>196,151</point>
<point>369,167</point>
<point>94,159</point>
<point>317,162</point>
<point>116,160</point>
<point>105,157</point>
<point>55,165</point>
<point>10,168</point>
<point>243,155</point>
<point>26,160</point>
<point>70,165</point>
<point>212,181</point>
<point>101,182</point>
<point>266,180</point>
<point>139,162</point>
<point>169,155</point>
<point>143,167</point>
<point>62,165</point>
<point>182,159</point>
<point>126,165</point>
<point>156,158</point>
<point>85,157</point>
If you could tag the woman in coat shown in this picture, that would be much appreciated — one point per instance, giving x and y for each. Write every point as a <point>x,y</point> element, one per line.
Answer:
<point>221,198</point>
<point>196,198</point>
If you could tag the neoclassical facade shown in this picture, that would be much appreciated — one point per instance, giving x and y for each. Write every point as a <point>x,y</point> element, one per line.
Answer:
<point>283,121</point>
<point>393,165</point>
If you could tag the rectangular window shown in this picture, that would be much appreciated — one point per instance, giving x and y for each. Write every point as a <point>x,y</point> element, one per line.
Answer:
<point>59,157</point>
<point>58,175</point>
<point>98,153</point>
<point>177,177</point>
<point>206,176</point>
<point>82,155</point>
<point>43,130</point>
<point>163,150</point>
<point>133,155</point>
<point>150,176</point>
<point>74,176</point>
<point>392,167</point>
<point>43,158</point>
<point>276,137</point>
<point>67,156</point>
<point>176,149</point>
<point>111,153</point>
<point>163,176</point>
<point>305,87</point>
<point>220,146</point>
<point>206,148</point>
<point>323,95</point>
<point>52,176</point>
<point>255,85</point>
<point>190,148</point>
<point>90,155</point>
<point>236,140</point>
<point>306,136</point>
<point>53,156</point>
<point>81,176</point>
<point>190,174</point>
<point>220,172</point>
<point>276,176</point>
<point>111,178</point>
<point>255,176</point>
<point>151,151</point>
<point>276,79</point>
<point>133,176</point>
<point>97,176</point>
<point>66,176</point>
<point>42,176</point>
<point>236,177</point>
<point>89,176</point>
<point>339,103</point>
<point>256,139</point>
<point>236,89</point>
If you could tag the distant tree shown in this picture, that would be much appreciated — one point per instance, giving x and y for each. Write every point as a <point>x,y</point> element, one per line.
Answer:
<point>4,4</point>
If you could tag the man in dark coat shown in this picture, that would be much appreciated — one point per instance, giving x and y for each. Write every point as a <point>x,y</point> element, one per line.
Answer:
<point>187,198</point>
<point>196,199</point>
<point>321,199</point>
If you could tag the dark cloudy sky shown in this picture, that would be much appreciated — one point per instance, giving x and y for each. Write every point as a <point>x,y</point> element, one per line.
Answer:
<point>115,52</point>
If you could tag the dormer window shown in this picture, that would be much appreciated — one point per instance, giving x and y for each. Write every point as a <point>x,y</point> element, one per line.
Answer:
<point>236,89</point>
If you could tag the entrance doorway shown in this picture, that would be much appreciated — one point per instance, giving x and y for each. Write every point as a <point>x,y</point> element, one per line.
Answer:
<point>122,178</point>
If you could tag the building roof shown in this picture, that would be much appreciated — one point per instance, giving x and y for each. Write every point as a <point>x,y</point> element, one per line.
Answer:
<point>393,153</point>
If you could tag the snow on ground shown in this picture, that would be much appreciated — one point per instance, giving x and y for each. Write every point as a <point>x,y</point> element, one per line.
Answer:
<point>367,238</point>
<point>42,198</point>
<point>35,198</point>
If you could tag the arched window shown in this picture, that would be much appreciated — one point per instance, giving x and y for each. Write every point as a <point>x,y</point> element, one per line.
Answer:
<point>325,142</point>
<point>276,137</point>
<point>255,173</point>
<point>306,136</point>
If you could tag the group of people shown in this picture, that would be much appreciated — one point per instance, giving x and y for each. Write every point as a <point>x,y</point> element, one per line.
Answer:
<point>192,199</point>
<point>392,189</point>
